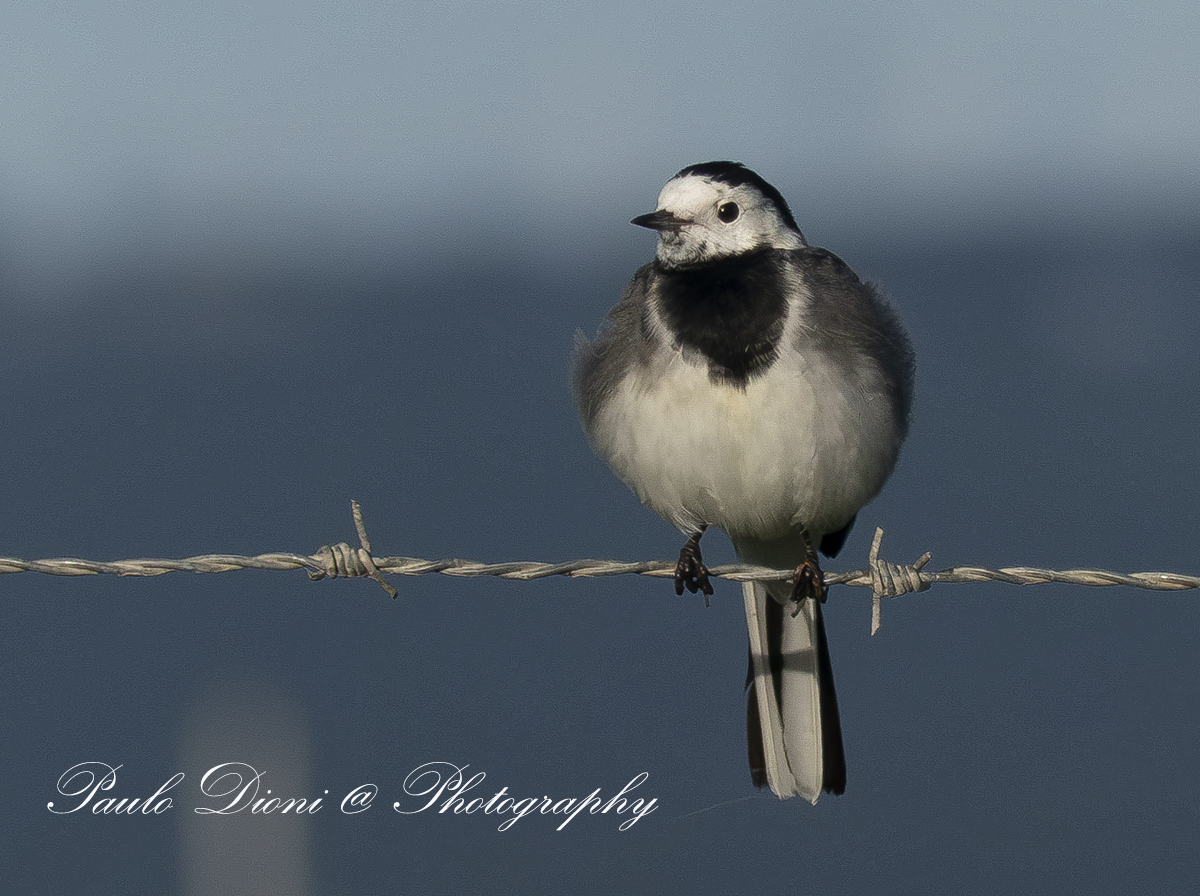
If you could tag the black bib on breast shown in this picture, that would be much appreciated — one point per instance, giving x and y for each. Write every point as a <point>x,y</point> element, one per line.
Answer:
<point>732,311</point>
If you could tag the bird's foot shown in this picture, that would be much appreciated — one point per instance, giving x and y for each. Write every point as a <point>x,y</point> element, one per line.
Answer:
<point>690,571</point>
<point>808,582</point>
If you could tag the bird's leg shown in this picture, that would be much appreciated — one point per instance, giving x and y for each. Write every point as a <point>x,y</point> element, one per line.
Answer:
<point>808,581</point>
<point>690,572</point>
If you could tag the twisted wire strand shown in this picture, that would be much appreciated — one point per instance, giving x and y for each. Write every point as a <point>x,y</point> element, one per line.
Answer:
<point>528,570</point>
<point>884,578</point>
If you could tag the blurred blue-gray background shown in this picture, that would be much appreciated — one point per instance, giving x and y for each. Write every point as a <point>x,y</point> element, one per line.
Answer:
<point>257,260</point>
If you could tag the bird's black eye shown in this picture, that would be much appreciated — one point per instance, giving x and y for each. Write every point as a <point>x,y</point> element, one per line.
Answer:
<point>728,212</point>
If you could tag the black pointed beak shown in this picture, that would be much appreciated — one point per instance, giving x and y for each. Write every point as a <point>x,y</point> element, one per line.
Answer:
<point>659,220</point>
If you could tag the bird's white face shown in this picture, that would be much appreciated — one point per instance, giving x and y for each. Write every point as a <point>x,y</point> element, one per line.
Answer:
<point>711,220</point>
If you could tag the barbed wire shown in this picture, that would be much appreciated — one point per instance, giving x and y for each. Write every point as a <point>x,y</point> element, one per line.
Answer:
<point>885,579</point>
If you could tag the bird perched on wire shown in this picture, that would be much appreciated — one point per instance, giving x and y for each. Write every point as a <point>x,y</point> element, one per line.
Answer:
<point>749,381</point>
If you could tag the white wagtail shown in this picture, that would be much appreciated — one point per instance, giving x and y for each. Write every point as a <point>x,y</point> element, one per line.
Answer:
<point>751,382</point>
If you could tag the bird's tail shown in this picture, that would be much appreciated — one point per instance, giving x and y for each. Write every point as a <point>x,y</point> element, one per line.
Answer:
<point>793,729</point>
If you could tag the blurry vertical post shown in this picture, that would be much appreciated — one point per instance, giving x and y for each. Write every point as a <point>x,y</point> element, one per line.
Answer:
<point>262,726</point>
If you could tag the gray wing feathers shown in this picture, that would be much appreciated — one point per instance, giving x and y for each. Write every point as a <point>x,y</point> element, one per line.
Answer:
<point>849,320</point>
<point>625,337</point>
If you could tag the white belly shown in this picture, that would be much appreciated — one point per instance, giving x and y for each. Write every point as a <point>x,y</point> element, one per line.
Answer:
<point>795,446</point>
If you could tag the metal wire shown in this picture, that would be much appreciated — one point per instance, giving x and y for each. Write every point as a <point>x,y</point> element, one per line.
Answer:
<point>885,579</point>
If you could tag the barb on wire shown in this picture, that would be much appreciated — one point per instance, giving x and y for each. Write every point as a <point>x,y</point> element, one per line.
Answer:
<point>343,560</point>
<point>885,579</point>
